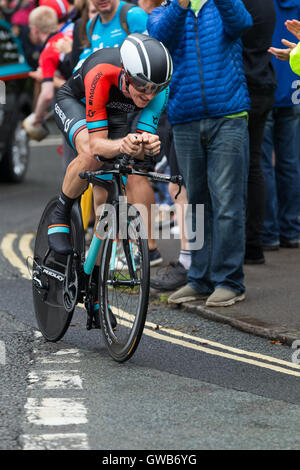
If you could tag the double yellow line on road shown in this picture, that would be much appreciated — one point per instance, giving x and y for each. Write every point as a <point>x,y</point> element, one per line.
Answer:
<point>8,251</point>
<point>153,330</point>
<point>199,344</point>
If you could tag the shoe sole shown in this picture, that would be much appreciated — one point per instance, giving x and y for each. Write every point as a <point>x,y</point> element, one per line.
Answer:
<point>289,246</point>
<point>226,303</point>
<point>254,261</point>
<point>270,247</point>
<point>186,299</point>
<point>155,262</point>
<point>120,265</point>
<point>168,288</point>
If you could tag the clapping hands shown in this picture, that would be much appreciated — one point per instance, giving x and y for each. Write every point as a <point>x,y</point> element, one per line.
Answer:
<point>293,26</point>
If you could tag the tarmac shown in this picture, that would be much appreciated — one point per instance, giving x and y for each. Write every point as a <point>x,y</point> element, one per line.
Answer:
<point>272,305</point>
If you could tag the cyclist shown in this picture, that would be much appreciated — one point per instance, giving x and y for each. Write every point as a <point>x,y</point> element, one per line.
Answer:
<point>91,112</point>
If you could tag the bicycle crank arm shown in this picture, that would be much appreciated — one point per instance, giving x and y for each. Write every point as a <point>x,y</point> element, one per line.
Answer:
<point>38,283</point>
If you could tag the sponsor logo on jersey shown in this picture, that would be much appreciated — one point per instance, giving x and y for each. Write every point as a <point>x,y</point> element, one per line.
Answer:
<point>91,113</point>
<point>125,107</point>
<point>67,124</point>
<point>93,86</point>
<point>60,113</point>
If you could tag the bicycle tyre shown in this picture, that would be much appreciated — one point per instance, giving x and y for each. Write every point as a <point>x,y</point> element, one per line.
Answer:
<point>52,317</point>
<point>122,349</point>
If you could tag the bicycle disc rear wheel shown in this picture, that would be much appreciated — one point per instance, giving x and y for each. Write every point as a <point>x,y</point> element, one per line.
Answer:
<point>123,289</point>
<point>52,312</point>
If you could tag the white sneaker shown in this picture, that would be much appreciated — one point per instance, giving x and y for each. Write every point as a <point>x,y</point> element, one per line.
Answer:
<point>224,298</point>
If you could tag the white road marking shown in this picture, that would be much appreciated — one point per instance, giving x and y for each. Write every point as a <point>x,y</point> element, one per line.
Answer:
<point>50,379</point>
<point>72,352</point>
<point>56,411</point>
<point>65,356</point>
<point>49,411</point>
<point>57,441</point>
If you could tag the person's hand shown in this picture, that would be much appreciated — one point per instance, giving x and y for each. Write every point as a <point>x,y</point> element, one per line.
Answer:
<point>64,45</point>
<point>293,27</point>
<point>184,3</point>
<point>151,144</point>
<point>132,145</point>
<point>36,75</point>
<point>283,54</point>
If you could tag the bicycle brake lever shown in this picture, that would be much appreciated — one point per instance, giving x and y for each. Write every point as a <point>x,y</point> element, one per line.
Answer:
<point>179,181</point>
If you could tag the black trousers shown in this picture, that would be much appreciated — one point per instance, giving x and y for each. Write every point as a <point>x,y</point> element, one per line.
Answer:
<point>261,104</point>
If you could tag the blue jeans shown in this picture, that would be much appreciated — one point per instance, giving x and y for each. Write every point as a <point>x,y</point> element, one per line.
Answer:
<point>282,182</point>
<point>213,156</point>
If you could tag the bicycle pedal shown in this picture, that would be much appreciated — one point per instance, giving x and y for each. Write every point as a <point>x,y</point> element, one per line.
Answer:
<point>93,324</point>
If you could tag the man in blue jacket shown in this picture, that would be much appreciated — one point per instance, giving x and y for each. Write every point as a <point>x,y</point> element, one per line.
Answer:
<point>207,108</point>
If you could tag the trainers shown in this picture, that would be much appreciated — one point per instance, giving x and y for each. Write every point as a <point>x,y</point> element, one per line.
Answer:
<point>223,298</point>
<point>155,258</point>
<point>272,247</point>
<point>170,277</point>
<point>254,255</point>
<point>287,243</point>
<point>186,294</point>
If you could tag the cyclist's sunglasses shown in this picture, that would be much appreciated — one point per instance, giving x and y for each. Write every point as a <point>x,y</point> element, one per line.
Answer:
<point>141,85</point>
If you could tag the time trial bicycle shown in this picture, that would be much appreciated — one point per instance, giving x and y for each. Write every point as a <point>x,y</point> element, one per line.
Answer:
<point>120,245</point>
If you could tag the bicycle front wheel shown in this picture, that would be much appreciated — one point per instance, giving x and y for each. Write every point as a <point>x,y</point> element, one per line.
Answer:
<point>124,287</point>
<point>53,307</point>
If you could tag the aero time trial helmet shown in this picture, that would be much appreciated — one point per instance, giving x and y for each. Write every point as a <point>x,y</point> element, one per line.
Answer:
<point>146,62</point>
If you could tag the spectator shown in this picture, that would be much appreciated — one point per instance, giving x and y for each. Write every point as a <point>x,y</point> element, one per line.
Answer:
<point>282,226</point>
<point>71,48</point>
<point>44,26</point>
<point>108,20</point>
<point>294,56</point>
<point>261,80</point>
<point>19,21</point>
<point>208,111</point>
<point>20,17</point>
<point>61,7</point>
<point>149,5</point>
<point>174,275</point>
